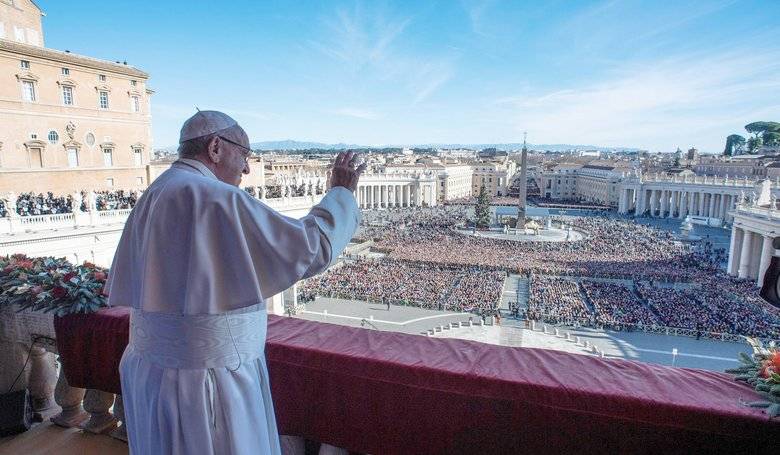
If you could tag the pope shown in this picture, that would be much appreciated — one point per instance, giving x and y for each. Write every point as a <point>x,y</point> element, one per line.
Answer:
<point>197,260</point>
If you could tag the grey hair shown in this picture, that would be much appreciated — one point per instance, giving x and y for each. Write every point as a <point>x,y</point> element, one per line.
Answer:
<point>195,147</point>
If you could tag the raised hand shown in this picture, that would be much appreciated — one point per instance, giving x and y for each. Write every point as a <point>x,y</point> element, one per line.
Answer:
<point>345,171</point>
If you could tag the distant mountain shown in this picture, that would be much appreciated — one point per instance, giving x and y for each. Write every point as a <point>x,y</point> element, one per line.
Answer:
<point>297,145</point>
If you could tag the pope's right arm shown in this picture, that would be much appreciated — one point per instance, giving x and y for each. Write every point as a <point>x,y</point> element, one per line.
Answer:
<point>285,250</point>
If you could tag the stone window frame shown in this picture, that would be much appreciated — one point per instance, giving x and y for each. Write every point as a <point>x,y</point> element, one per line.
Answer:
<point>107,146</point>
<point>72,144</point>
<point>134,94</point>
<point>31,78</point>
<point>138,146</point>
<point>35,144</point>
<point>66,82</point>
<point>103,88</point>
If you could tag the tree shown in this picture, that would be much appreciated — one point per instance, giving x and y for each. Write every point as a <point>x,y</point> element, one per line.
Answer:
<point>734,145</point>
<point>482,209</point>
<point>754,143</point>
<point>764,133</point>
<point>772,138</point>
<point>758,128</point>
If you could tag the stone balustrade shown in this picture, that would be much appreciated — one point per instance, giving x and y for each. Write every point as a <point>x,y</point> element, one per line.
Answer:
<point>12,225</point>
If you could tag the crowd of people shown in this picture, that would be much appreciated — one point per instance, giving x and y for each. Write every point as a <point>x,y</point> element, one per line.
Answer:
<point>713,307</point>
<point>611,248</point>
<point>424,285</point>
<point>557,300</point>
<point>616,305</point>
<point>277,191</point>
<point>113,200</point>
<point>28,204</point>
<point>31,204</point>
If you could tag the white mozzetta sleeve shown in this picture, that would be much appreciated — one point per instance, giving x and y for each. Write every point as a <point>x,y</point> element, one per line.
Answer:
<point>339,204</point>
<point>285,250</point>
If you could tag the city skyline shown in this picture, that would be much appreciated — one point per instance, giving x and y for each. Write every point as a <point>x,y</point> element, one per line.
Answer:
<point>611,74</point>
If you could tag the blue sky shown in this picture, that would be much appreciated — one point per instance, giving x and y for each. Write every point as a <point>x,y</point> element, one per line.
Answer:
<point>651,74</point>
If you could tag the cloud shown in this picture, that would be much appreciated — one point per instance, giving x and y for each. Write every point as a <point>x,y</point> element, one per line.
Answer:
<point>355,112</point>
<point>476,11</point>
<point>370,46</point>
<point>660,104</point>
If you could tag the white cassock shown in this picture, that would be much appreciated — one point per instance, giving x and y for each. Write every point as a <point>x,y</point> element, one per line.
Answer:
<point>196,261</point>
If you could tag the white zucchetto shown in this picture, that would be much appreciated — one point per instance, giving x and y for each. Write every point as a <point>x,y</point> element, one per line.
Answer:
<point>204,123</point>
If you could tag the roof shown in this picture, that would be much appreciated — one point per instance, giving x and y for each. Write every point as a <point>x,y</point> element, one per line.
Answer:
<point>598,167</point>
<point>67,57</point>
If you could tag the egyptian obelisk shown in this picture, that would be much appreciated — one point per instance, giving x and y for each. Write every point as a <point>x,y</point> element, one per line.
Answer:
<point>523,185</point>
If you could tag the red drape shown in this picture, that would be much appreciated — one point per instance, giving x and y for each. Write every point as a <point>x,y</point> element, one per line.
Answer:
<point>381,392</point>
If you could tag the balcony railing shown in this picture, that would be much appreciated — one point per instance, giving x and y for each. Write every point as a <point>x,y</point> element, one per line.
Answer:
<point>37,223</point>
<point>383,392</point>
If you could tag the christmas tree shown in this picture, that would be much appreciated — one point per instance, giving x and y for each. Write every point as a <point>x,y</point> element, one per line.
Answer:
<point>482,209</point>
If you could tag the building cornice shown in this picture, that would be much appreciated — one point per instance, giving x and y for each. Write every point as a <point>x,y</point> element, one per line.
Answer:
<point>67,57</point>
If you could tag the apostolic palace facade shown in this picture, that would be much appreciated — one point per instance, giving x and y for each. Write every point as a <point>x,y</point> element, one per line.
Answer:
<point>69,122</point>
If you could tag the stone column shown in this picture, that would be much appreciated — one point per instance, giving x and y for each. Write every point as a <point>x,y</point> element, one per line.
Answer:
<point>745,254</point>
<point>69,399</point>
<point>683,208</point>
<point>407,196</point>
<point>767,251</point>
<point>43,379</point>
<point>711,211</point>
<point>755,256</point>
<point>691,203</point>
<point>653,203</point>
<point>622,201</point>
<point>735,249</point>
<point>97,403</point>
<point>723,207</point>
<point>662,202</point>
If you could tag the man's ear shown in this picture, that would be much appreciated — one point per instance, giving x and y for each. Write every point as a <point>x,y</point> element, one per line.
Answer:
<point>213,149</point>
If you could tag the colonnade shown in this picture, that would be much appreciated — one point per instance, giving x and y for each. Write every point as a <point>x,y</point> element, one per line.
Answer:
<point>387,195</point>
<point>674,203</point>
<point>750,253</point>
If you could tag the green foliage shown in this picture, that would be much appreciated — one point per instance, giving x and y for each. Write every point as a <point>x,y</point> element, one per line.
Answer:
<point>771,138</point>
<point>762,127</point>
<point>764,133</point>
<point>482,208</point>
<point>760,370</point>
<point>51,285</point>
<point>735,144</point>
<point>754,143</point>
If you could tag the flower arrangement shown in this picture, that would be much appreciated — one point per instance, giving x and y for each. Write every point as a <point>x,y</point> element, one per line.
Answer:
<point>51,285</point>
<point>762,371</point>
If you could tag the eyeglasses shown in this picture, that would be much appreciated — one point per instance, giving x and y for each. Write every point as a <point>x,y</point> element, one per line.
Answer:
<point>246,154</point>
